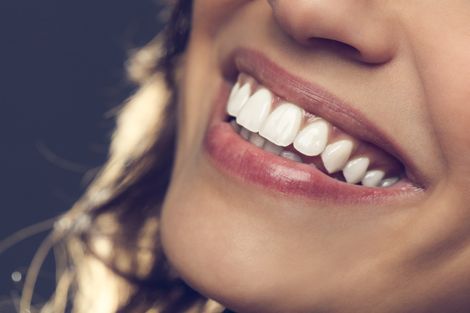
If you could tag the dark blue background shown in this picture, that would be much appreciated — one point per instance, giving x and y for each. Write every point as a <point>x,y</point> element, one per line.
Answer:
<point>61,71</point>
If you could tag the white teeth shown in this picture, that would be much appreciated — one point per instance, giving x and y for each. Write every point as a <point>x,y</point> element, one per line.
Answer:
<point>389,182</point>
<point>336,155</point>
<point>256,110</point>
<point>272,131</point>
<point>313,138</point>
<point>291,156</point>
<point>272,148</point>
<point>283,124</point>
<point>234,91</point>
<point>257,140</point>
<point>373,178</point>
<point>238,98</point>
<point>355,170</point>
<point>245,133</point>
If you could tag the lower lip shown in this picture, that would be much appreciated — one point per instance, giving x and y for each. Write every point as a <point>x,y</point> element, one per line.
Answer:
<point>242,161</point>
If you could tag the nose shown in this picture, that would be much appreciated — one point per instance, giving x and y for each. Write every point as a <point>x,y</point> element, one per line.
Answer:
<point>358,27</point>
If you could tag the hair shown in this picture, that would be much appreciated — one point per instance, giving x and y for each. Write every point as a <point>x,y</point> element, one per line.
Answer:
<point>110,256</point>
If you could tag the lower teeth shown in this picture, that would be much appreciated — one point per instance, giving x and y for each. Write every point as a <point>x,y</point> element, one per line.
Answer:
<point>270,147</point>
<point>389,182</point>
<point>291,156</point>
<point>257,140</point>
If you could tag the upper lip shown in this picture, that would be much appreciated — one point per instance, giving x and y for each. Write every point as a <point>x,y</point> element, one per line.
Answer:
<point>318,101</point>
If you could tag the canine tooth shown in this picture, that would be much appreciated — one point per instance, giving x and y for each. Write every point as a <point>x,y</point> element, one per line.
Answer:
<point>238,97</point>
<point>283,124</point>
<point>256,110</point>
<point>336,155</point>
<point>245,133</point>
<point>313,138</point>
<point>373,178</point>
<point>389,182</point>
<point>257,140</point>
<point>355,170</point>
<point>272,148</point>
<point>234,91</point>
<point>290,156</point>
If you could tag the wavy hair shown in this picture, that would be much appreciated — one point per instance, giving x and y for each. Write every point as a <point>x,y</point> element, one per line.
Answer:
<point>110,257</point>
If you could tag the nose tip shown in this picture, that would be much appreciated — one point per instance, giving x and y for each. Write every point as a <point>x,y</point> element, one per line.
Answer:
<point>356,27</point>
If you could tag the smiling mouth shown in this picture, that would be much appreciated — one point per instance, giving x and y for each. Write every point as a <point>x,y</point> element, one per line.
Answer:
<point>285,129</point>
<point>267,132</point>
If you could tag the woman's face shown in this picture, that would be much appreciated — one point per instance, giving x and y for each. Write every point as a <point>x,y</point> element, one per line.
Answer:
<point>300,210</point>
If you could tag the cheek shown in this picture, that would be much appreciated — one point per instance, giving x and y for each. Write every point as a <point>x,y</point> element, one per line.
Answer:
<point>198,88</point>
<point>443,62</point>
<point>196,97</point>
<point>447,83</point>
<point>454,113</point>
<point>211,14</point>
<point>200,73</point>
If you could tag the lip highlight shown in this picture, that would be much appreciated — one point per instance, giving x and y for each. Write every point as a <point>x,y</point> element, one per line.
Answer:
<point>238,158</point>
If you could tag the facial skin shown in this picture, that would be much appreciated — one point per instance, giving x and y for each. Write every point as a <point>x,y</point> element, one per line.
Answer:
<point>405,65</point>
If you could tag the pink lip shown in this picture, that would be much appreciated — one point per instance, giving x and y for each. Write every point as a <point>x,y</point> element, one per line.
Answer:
<point>236,157</point>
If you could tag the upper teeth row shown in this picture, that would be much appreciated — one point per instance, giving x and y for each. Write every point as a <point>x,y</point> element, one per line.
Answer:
<point>287,124</point>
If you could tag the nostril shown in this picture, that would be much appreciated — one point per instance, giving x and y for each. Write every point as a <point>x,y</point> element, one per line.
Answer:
<point>358,30</point>
<point>335,46</point>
